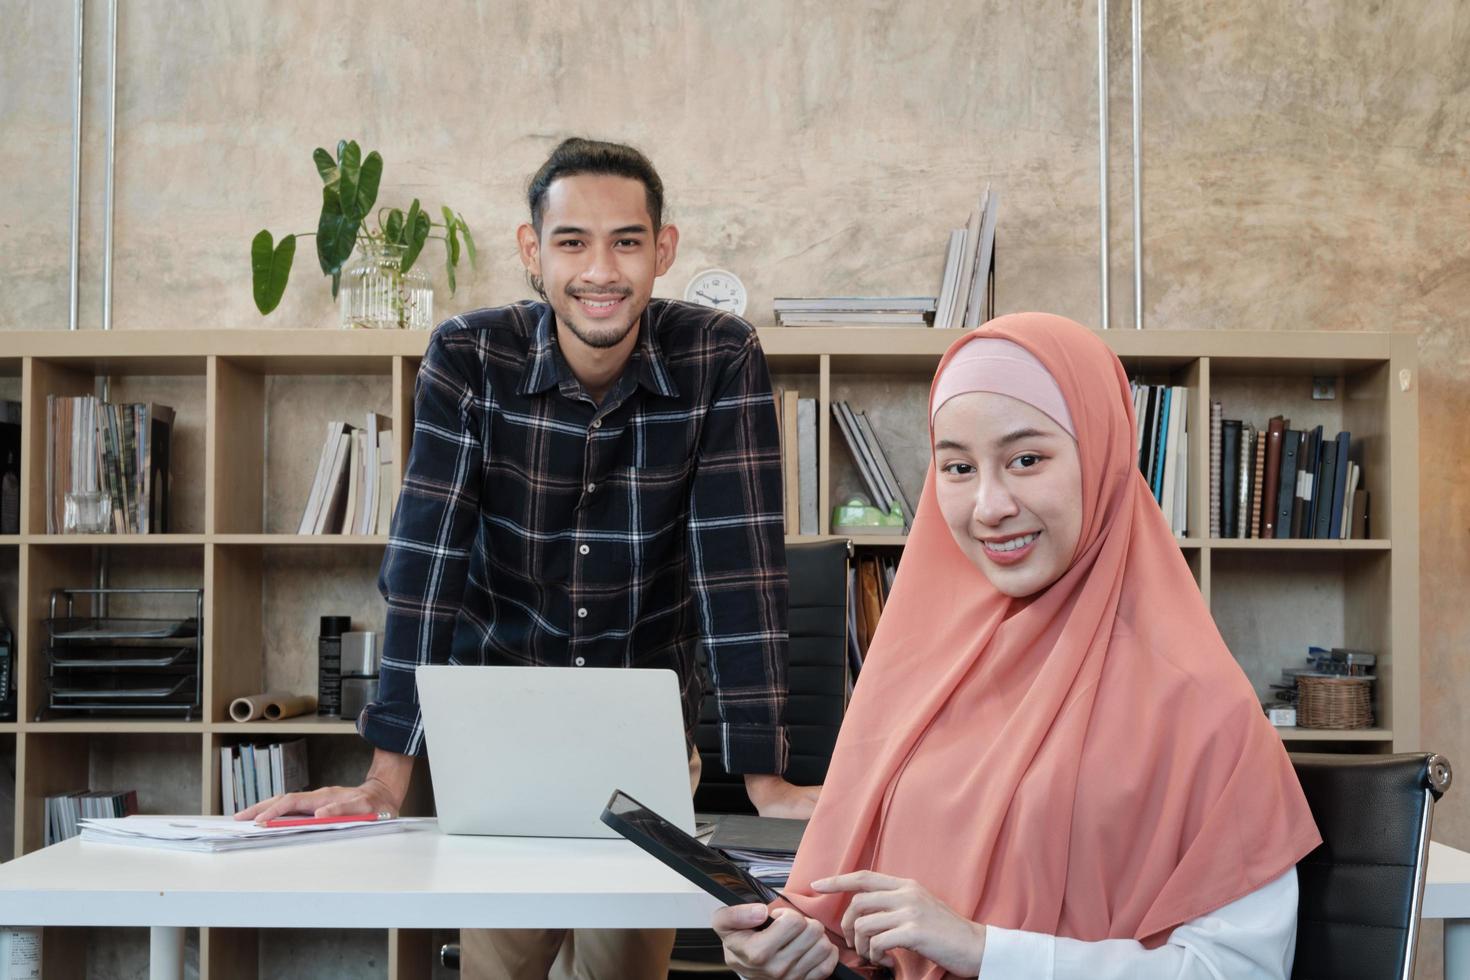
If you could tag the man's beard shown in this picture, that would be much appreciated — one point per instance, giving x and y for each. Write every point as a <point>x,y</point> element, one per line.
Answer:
<point>601,340</point>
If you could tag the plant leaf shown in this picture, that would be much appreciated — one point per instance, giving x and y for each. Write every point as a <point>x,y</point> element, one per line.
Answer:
<point>270,268</point>
<point>393,227</point>
<point>367,187</point>
<point>325,165</point>
<point>416,232</point>
<point>351,168</point>
<point>335,235</point>
<point>451,236</point>
<point>469,241</point>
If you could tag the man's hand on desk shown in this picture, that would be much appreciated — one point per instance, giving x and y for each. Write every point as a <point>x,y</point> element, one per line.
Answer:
<point>381,791</point>
<point>329,801</point>
<point>775,797</point>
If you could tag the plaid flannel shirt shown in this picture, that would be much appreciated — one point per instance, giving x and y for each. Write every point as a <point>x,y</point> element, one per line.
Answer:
<point>537,527</point>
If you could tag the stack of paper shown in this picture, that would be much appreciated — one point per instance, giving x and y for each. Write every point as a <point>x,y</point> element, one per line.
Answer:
<point>213,835</point>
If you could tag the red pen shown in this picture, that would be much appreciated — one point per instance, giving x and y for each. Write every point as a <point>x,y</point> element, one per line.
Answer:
<point>315,821</point>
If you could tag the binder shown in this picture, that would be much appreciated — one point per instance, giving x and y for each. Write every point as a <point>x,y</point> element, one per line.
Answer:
<point>1340,485</point>
<point>1275,436</point>
<point>1326,491</point>
<point>1229,477</point>
<point>1291,448</point>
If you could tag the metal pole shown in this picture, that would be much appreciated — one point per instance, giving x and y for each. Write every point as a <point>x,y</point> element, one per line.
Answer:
<point>1137,165</point>
<point>76,162</point>
<point>111,141</point>
<point>1102,149</point>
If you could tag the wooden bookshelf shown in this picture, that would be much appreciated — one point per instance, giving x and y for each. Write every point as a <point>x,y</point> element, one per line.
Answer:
<point>248,393</point>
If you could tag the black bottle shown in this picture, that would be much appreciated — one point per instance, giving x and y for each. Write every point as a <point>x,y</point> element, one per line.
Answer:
<point>329,665</point>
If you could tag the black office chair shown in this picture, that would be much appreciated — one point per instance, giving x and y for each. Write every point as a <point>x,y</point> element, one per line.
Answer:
<point>816,678</point>
<point>1361,890</point>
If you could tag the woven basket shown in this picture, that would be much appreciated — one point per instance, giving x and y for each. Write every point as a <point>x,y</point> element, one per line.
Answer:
<point>1328,701</point>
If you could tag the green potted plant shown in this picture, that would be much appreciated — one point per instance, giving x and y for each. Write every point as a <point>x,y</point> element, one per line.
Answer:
<point>383,289</point>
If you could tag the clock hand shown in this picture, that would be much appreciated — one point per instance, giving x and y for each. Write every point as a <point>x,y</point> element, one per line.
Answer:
<point>707,296</point>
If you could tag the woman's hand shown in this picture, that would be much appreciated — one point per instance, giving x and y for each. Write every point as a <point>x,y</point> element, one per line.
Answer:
<point>893,913</point>
<point>792,947</point>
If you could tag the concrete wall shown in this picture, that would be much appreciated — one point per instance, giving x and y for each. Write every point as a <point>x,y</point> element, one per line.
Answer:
<point>1304,164</point>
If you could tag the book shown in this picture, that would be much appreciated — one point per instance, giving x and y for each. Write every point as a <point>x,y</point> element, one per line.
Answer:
<point>374,426</point>
<point>387,484</point>
<point>1291,449</point>
<point>806,437</point>
<point>318,483</point>
<point>334,494</point>
<point>352,504</point>
<point>1361,528</point>
<point>1258,482</point>
<point>978,310</point>
<point>1354,475</point>
<point>842,414</point>
<point>885,469</point>
<point>967,263</point>
<point>1301,510</point>
<point>1216,424</point>
<point>1160,443</point>
<point>791,460</point>
<point>949,283</point>
<point>1229,476</point>
<point>1326,490</point>
<point>1339,485</point>
<point>1243,476</point>
<point>228,806</point>
<point>1275,434</point>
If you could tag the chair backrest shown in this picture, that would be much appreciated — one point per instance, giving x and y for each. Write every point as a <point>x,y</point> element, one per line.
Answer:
<point>1360,891</point>
<point>816,675</point>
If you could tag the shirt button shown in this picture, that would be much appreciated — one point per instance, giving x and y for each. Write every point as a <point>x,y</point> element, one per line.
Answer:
<point>591,487</point>
<point>584,550</point>
<point>580,661</point>
<point>597,423</point>
<point>582,613</point>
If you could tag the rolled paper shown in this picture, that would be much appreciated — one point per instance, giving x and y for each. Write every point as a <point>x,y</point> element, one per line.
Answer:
<point>272,706</point>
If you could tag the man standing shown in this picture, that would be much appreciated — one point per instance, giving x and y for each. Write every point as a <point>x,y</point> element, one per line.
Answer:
<point>594,481</point>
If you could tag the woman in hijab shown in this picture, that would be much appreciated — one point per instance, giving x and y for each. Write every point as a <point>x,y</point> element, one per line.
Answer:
<point>1051,766</point>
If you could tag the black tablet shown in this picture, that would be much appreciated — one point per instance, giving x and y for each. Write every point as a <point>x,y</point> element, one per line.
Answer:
<point>706,867</point>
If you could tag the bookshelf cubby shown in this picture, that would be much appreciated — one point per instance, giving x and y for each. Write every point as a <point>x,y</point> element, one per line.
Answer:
<point>252,409</point>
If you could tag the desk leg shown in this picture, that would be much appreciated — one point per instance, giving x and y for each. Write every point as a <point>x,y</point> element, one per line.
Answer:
<point>166,953</point>
<point>1457,949</point>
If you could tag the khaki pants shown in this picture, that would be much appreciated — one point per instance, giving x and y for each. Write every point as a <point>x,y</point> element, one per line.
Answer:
<point>569,954</point>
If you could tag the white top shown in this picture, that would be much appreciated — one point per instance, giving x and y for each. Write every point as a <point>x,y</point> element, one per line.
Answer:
<point>418,879</point>
<point>1252,938</point>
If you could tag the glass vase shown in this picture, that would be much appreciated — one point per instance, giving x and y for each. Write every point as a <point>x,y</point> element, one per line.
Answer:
<point>376,294</point>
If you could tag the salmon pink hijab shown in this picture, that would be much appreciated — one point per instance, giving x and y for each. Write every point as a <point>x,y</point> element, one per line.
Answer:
<point>1087,762</point>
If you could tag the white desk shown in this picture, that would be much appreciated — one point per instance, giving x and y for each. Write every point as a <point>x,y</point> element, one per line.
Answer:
<point>413,880</point>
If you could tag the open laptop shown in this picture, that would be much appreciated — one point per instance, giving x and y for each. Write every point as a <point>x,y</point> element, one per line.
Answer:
<point>537,751</point>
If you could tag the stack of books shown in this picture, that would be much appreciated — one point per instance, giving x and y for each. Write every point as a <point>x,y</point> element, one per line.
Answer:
<point>872,461</point>
<point>859,311</point>
<point>1162,414</point>
<point>967,291</point>
<point>353,489</point>
<point>1279,482</point>
<point>64,812</point>
<point>122,450</point>
<point>251,773</point>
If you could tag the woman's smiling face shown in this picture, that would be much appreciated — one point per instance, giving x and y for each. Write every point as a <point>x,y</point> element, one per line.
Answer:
<point>1009,483</point>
